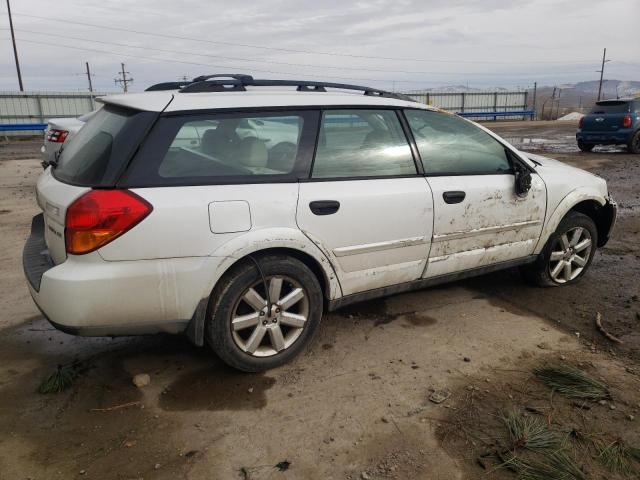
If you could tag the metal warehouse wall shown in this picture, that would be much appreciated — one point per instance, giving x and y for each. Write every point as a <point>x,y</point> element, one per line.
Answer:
<point>38,107</point>
<point>473,101</point>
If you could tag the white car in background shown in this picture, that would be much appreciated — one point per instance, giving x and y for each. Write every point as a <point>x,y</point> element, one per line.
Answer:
<point>237,210</point>
<point>58,132</point>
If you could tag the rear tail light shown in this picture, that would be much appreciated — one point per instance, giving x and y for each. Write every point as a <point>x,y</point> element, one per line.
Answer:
<point>626,121</point>
<point>57,136</point>
<point>100,216</point>
<point>581,122</point>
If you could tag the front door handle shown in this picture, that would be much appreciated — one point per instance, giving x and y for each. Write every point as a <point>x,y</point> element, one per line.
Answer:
<point>324,207</point>
<point>453,196</point>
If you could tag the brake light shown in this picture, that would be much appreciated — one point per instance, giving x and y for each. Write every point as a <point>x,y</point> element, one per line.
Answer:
<point>57,136</point>
<point>100,216</point>
<point>581,122</point>
<point>626,121</point>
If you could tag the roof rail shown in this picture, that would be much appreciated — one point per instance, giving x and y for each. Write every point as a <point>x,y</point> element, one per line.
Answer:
<point>166,86</point>
<point>238,82</point>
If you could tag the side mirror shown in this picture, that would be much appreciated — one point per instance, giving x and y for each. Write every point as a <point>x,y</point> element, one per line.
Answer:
<point>523,180</point>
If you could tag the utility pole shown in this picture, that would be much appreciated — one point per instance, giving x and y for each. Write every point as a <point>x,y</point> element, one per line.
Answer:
<point>89,77</point>
<point>124,81</point>
<point>535,91</point>
<point>15,49</point>
<point>93,105</point>
<point>604,56</point>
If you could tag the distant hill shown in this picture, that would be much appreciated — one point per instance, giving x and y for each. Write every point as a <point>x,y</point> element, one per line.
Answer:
<point>460,89</point>
<point>610,88</point>
<point>579,97</point>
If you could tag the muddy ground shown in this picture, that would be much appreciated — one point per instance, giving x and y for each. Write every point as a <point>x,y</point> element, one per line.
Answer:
<point>355,404</point>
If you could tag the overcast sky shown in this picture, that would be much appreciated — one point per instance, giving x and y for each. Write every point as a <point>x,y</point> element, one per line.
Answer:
<point>404,45</point>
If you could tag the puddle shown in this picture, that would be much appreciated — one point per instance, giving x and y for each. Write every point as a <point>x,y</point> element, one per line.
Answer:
<point>419,320</point>
<point>216,388</point>
<point>367,309</point>
<point>559,144</point>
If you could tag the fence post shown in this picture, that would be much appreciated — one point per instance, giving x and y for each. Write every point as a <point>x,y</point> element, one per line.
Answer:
<point>463,97</point>
<point>39,104</point>
<point>526,94</point>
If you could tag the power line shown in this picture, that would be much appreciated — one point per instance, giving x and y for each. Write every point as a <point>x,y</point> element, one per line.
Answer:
<point>293,50</point>
<point>167,60</point>
<point>182,52</point>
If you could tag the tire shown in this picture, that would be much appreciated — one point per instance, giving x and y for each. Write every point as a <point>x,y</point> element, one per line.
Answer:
<point>254,344</point>
<point>550,269</point>
<point>585,147</point>
<point>634,144</point>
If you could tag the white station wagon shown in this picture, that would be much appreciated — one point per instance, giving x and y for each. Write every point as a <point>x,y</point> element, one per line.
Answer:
<point>237,210</point>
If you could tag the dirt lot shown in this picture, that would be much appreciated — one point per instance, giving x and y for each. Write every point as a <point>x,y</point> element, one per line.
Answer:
<point>356,404</point>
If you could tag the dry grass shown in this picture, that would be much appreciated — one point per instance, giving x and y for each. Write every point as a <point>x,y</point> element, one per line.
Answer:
<point>61,379</point>
<point>537,452</point>
<point>618,457</point>
<point>529,432</point>
<point>572,382</point>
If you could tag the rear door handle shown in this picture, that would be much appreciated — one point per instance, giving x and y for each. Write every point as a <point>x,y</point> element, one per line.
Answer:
<point>324,207</point>
<point>453,197</point>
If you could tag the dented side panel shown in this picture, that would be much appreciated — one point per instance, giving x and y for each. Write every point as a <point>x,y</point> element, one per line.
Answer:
<point>556,215</point>
<point>492,224</point>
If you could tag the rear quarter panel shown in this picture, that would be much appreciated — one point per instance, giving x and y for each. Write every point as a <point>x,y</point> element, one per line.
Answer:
<point>180,226</point>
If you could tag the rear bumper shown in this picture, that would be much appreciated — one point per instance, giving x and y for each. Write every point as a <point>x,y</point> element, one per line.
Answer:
<point>87,295</point>
<point>618,137</point>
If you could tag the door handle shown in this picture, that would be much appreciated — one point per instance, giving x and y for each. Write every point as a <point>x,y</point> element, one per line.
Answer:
<point>453,197</point>
<point>324,207</point>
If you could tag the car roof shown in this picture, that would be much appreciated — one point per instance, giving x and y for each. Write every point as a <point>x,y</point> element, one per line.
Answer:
<point>252,97</point>
<point>616,101</point>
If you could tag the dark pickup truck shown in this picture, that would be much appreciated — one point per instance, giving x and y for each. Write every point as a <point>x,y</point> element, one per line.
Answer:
<point>611,122</point>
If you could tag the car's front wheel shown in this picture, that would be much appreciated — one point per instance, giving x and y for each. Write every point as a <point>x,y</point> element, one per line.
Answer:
<point>567,254</point>
<point>585,147</point>
<point>255,327</point>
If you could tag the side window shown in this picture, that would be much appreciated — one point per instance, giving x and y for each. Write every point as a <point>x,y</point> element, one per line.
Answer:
<point>451,145</point>
<point>362,143</point>
<point>234,145</point>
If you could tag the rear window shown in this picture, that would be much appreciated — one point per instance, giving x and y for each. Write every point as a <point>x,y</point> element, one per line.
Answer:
<point>612,106</point>
<point>97,153</point>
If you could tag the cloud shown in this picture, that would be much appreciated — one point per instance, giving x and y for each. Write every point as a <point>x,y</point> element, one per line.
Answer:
<point>476,42</point>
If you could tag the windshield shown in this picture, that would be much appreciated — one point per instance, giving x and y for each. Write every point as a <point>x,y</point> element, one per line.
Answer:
<point>94,156</point>
<point>613,106</point>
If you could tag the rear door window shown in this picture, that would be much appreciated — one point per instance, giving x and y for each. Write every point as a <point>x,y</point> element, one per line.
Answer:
<point>96,155</point>
<point>362,143</point>
<point>225,148</point>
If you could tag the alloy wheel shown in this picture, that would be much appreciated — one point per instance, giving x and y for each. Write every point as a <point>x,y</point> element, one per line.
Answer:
<point>262,330</point>
<point>570,254</point>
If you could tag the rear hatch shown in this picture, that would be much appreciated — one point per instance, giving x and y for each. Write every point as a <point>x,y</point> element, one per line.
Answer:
<point>606,116</point>
<point>95,158</point>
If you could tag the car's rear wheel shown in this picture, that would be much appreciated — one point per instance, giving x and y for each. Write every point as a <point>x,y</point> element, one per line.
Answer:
<point>634,144</point>
<point>585,147</point>
<point>251,335</point>
<point>567,254</point>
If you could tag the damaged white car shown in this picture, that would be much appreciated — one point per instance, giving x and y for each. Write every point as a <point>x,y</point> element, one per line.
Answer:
<point>237,210</point>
